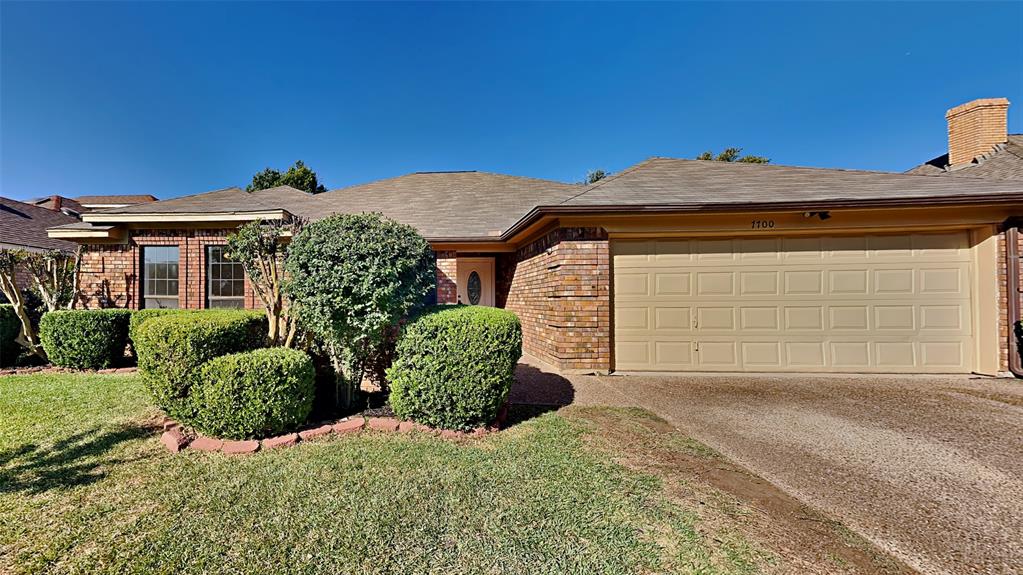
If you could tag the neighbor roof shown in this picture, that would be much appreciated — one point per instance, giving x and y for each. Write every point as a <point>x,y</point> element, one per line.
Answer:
<point>24,225</point>
<point>706,184</point>
<point>1004,161</point>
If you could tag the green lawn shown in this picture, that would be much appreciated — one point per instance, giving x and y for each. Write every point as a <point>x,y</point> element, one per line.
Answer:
<point>85,487</point>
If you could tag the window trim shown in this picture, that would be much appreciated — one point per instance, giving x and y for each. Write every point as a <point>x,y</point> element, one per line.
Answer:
<point>208,270</point>
<point>143,290</point>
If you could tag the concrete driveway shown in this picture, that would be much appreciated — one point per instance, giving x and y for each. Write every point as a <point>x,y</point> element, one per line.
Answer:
<point>928,468</point>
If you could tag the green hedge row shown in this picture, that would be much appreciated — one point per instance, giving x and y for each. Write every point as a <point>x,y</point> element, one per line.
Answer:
<point>454,366</point>
<point>141,316</point>
<point>257,393</point>
<point>85,339</point>
<point>10,326</point>
<point>172,347</point>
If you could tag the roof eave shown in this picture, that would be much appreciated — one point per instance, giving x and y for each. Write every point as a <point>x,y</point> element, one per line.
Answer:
<point>158,217</point>
<point>842,203</point>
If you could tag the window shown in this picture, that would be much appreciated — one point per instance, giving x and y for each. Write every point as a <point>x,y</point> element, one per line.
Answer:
<point>160,277</point>
<point>225,280</point>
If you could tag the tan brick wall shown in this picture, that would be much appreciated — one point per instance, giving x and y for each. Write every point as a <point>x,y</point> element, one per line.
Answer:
<point>1003,315</point>
<point>975,127</point>
<point>559,286</point>
<point>110,273</point>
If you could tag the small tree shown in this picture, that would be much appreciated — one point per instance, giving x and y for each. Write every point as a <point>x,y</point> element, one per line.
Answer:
<point>55,276</point>
<point>594,176</point>
<point>352,278</point>
<point>733,155</point>
<point>298,176</point>
<point>258,246</point>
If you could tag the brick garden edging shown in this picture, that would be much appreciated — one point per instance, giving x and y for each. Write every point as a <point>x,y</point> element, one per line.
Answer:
<point>175,439</point>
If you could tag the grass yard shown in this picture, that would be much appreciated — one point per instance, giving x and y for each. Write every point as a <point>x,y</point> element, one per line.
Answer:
<point>85,487</point>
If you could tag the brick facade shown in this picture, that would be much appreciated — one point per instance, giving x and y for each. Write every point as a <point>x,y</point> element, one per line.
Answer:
<point>559,286</point>
<point>110,274</point>
<point>1003,310</point>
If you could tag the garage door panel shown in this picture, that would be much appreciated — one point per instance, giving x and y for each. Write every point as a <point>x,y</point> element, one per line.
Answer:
<point>673,319</point>
<point>851,303</point>
<point>847,282</point>
<point>673,284</point>
<point>758,283</point>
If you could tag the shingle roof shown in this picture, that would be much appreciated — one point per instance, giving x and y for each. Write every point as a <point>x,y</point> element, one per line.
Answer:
<point>451,204</point>
<point>1004,161</point>
<point>227,200</point>
<point>480,205</point>
<point>117,200</point>
<point>695,183</point>
<point>25,225</point>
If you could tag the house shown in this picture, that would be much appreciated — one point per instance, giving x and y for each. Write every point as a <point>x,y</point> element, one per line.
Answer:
<point>83,204</point>
<point>671,265</point>
<point>24,226</point>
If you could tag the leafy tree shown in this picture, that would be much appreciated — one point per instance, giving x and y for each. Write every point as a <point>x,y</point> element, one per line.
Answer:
<point>352,277</point>
<point>298,176</point>
<point>594,176</point>
<point>54,275</point>
<point>733,155</point>
<point>258,247</point>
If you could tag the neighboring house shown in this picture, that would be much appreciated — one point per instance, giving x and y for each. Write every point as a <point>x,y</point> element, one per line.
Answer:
<point>23,227</point>
<point>670,265</point>
<point>83,204</point>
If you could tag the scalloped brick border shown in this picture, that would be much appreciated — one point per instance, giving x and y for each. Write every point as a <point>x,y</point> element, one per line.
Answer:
<point>175,439</point>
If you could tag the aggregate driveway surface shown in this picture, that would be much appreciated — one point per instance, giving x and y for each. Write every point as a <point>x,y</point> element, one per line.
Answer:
<point>928,468</point>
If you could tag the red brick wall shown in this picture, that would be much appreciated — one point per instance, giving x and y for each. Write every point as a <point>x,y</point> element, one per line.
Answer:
<point>559,286</point>
<point>447,277</point>
<point>1003,316</point>
<point>110,273</point>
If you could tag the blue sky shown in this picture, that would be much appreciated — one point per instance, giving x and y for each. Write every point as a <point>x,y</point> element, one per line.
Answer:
<point>180,98</point>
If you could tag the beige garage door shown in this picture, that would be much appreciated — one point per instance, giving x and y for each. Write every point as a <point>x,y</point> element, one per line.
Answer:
<point>884,303</point>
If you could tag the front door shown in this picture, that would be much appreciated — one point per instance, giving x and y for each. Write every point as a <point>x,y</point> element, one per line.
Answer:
<point>476,281</point>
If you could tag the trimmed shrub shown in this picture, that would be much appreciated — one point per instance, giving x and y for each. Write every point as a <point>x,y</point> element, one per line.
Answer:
<point>10,326</point>
<point>353,276</point>
<point>84,338</point>
<point>454,366</point>
<point>253,394</point>
<point>172,347</point>
<point>141,316</point>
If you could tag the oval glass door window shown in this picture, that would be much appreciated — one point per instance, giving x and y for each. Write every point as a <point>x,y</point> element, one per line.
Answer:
<point>475,288</point>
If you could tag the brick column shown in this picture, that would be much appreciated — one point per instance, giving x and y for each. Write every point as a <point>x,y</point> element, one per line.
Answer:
<point>447,277</point>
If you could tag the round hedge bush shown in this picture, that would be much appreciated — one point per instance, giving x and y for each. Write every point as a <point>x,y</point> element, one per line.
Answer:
<point>10,327</point>
<point>84,338</point>
<point>172,347</point>
<point>454,366</point>
<point>253,394</point>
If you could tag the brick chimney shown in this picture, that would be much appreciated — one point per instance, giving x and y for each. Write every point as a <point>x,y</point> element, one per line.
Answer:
<point>976,127</point>
<point>56,201</point>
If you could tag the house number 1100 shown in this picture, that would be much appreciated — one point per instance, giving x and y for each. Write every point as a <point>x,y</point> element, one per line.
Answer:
<point>763,224</point>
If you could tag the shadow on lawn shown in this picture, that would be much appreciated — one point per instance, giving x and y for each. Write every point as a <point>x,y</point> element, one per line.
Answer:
<point>75,460</point>
<point>534,386</point>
